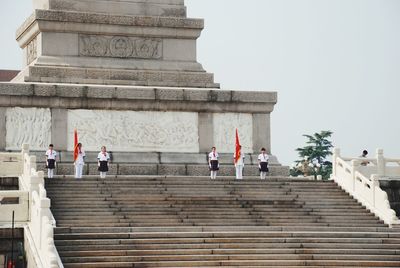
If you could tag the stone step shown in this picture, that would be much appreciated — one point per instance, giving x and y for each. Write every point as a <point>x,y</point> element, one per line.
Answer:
<point>226,257</point>
<point>195,222</point>
<point>244,263</point>
<point>227,240</point>
<point>289,235</point>
<point>113,245</point>
<point>389,232</point>
<point>380,252</point>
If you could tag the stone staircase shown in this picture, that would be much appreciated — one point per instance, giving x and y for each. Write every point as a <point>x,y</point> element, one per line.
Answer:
<point>196,222</point>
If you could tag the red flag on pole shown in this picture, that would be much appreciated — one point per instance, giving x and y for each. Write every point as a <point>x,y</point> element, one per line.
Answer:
<point>237,147</point>
<point>75,145</point>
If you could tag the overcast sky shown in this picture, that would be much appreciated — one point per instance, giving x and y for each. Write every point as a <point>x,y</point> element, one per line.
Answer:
<point>335,64</point>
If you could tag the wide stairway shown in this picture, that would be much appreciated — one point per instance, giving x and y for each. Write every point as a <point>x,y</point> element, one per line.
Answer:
<point>197,222</point>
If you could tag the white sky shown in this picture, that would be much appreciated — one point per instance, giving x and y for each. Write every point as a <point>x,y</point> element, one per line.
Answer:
<point>335,64</point>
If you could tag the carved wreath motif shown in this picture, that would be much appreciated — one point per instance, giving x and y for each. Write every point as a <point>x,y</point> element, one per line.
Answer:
<point>120,47</point>
<point>31,51</point>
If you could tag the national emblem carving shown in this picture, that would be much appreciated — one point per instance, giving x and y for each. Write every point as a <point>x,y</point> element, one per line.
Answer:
<point>120,47</point>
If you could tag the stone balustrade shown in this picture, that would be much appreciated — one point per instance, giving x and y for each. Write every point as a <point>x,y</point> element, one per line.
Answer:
<point>32,211</point>
<point>362,181</point>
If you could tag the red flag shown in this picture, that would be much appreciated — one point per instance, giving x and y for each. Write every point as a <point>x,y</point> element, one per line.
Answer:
<point>75,145</point>
<point>237,147</point>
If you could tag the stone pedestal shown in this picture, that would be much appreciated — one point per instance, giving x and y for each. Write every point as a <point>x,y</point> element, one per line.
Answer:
<point>112,42</point>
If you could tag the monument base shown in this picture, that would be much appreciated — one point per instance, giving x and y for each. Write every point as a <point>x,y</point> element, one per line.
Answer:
<point>75,75</point>
<point>149,130</point>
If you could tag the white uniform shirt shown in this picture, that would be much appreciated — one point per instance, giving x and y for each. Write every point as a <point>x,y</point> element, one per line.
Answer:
<point>213,156</point>
<point>263,157</point>
<point>240,161</point>
<point>102,157</point>
<point>80,160</point>
<point>51,154</point>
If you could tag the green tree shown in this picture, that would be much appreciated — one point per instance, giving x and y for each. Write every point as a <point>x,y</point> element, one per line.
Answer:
<point>313,156</point>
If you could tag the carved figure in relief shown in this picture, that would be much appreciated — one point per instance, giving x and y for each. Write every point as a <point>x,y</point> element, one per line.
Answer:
<point>28,125</point>
<point>147,48</point>
<point>31,51</point>
<point>224,131</point>
<point>93,46</point>
<point>138,130</point>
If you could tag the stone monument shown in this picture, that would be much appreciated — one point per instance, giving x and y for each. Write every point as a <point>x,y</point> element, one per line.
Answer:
<point>125,75</point>
<point>131,42</point>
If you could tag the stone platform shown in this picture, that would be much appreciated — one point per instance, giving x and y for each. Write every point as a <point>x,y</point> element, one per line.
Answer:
<point>149,130</point>
<point>112,42</point>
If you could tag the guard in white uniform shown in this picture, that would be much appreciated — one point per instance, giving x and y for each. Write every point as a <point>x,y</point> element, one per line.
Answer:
<point>102,161</point>
<point>213,163</point>
<point>80,162</point>
<point>51,156</point>
<point>263,163</point>
<point>239,164</point>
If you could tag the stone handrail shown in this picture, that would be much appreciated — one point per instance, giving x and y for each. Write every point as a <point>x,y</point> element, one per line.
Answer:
<point>21,208</point>
<point>33,211</point>
<point>11,164</point>
<point>362,182</point>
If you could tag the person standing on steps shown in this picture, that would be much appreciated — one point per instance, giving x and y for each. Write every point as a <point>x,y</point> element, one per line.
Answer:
<point>213,163</point>
<point>51,156</point>
<point>103,159</point>
<point>79,162</point>
<point>238,160</point>
<point>263,163</point>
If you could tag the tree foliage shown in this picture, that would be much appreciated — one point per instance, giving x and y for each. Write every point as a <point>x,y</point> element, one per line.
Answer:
<point>313,156</point>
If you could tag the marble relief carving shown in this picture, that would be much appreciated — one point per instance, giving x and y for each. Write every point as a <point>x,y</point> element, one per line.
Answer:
<point>225,125</point>
<point>28,125</point>
<point>31,51</point>
<point>129,131</point>
<point>120,47</point>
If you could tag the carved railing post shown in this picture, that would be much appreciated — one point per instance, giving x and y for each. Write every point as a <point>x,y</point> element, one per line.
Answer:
<point>381,163</point>
<point>355,164</point>
<point>25,148</point>
<point>336,154</point>
<point>374,184</point>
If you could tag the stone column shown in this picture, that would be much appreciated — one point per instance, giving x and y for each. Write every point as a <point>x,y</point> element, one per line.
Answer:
<point>59,125</point>
<point>206,132</point>
<point>262,132</point>
<point>3,130</point>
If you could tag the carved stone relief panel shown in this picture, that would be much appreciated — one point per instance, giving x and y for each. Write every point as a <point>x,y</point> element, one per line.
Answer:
<point>31,51</point>
<point>130,131</point>
<point>225,125</point>
<point>120,47</point>
<point>28,125</point>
